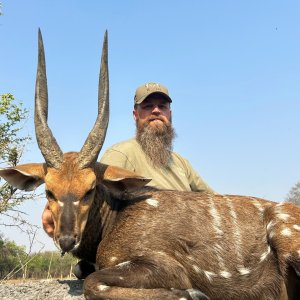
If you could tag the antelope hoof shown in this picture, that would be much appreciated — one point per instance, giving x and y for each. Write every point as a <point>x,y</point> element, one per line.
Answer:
<point>83,268</point>
<point>197,295</point>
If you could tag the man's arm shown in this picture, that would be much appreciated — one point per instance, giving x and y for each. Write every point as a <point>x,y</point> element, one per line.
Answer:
<point>197,184</point>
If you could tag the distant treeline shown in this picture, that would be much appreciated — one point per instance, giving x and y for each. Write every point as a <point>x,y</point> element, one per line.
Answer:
<point>16,263</point>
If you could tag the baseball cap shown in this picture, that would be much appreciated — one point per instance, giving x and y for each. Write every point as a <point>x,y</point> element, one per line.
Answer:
<point>145,90</point>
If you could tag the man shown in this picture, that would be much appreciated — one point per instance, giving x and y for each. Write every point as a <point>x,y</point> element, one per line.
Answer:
<point>150,153</point>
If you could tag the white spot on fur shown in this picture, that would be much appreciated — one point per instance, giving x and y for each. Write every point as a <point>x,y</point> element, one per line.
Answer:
<point>286,232</point>
<point>270,225</point>
<point>182,298</point>
<point>113,258</point>
<point>123,264</point>
<point>121,278</point>
<point>191,257</point>
<point>219,247</point>
<point>271,234</point>
<point>76,203</point>
<point>265,254</point>
<point>244,270</point>
<point>196,268</point>
<point>225,274</point>
<point>103,287</point>
<point>297,227</point>
<point>283,216</point>
<point>160,253</point>
<point>217,226</point>
<point>61,204</point>
<point>236,229</point>
<point>152,202</point>
<point>257,205</point>
<point>216,220</point>
<point>209,275</point>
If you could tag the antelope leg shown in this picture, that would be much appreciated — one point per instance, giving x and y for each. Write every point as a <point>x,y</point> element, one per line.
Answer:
<point>93,289</point>
<point>140,278</point>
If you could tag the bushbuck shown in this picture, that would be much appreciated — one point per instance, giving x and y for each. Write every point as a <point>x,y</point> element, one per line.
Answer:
<point>157,244</point>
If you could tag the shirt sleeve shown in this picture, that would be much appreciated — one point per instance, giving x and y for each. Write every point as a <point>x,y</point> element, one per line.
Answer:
<point>117,158</point>
<point>197,184</point>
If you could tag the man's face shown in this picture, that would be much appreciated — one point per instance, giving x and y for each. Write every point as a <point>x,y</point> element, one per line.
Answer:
<point>154,130</point>
<point>153,111</point>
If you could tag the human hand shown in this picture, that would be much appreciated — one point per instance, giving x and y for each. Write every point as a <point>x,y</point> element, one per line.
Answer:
<point>47,221</point>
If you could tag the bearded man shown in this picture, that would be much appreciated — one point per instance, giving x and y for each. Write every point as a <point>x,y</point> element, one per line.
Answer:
<point>150,153</point>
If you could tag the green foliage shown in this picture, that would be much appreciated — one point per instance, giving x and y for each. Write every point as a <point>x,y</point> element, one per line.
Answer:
<point>12,114</point>
<point>16,263</point>
<point>294,194</point>
<point>10,255</point>
<point>12,144</point>
<point>50,264</point>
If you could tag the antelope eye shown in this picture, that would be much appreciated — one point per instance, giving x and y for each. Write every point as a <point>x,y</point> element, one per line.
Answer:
<point>50,195</point>
<point>88,194</point>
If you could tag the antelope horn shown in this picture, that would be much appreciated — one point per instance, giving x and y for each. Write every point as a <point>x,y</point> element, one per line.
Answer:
<point>46,141</point>
<point>93,144</point>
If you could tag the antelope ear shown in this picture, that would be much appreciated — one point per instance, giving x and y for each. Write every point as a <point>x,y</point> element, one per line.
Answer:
<point>120,180</point>
<point>25,177</point>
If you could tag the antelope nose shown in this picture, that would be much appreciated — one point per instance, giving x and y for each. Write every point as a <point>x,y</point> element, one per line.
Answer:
<point>67,243</point>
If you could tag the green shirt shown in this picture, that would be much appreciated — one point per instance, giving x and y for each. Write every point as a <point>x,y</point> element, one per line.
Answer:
<point>178,175</point>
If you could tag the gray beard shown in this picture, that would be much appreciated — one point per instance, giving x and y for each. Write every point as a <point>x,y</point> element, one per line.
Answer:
<point>157,143</point>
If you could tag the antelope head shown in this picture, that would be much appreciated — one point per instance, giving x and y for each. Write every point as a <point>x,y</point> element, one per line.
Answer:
<point>70,178</point>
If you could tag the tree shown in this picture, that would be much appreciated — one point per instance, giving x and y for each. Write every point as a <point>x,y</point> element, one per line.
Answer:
<point>10,255</point>
<point>294,194</point>
<point>16,263</point>
<point>12,145</point>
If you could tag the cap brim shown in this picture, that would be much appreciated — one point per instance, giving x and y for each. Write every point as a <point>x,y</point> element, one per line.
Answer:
<point>167,97</point>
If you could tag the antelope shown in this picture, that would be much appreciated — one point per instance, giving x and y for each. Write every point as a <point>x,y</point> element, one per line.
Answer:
<point>156,244</point>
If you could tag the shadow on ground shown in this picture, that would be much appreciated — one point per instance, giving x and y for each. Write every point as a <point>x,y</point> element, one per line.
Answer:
<point>75,286</point>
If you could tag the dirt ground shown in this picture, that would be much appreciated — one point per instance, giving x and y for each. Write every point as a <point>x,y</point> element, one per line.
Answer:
<point>54,289</point>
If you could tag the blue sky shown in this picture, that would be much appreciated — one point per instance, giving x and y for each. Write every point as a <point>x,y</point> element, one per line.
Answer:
<point>232,69</point>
